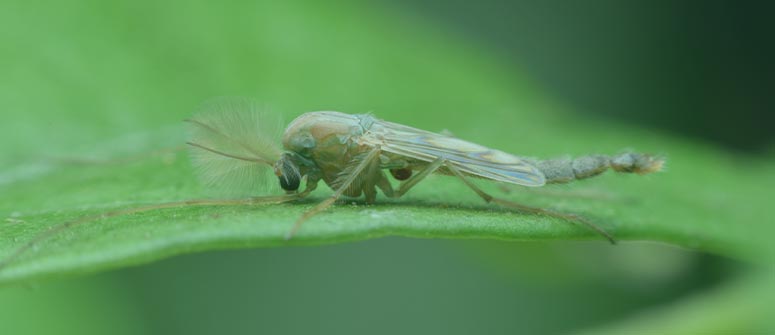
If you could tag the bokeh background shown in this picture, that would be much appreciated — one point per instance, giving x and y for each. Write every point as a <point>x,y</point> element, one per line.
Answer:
<point>694,70</point>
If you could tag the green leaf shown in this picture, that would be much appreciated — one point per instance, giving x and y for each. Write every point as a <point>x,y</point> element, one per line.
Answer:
<point>97,128</point>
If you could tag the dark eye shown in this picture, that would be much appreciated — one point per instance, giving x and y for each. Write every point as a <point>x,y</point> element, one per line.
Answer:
<point>290,179</point>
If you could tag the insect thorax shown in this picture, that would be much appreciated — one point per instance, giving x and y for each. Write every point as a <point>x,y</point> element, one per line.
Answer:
<point>329,139</point>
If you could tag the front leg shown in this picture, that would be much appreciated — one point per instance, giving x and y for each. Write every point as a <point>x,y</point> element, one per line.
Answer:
<point>363,164</point>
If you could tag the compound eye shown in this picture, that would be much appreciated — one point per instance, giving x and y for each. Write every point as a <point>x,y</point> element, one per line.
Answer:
<point>290,179</point>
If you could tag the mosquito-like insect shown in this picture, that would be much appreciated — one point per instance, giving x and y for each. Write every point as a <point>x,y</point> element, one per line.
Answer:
<point>351,154</point>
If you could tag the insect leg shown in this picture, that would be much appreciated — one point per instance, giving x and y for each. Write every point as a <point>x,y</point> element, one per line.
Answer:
<point>416,178</point>
<point>127,211</point>
<point>370,158</point>
<point>386,187</point>
<point>488,198</point>
<point>372,177</point>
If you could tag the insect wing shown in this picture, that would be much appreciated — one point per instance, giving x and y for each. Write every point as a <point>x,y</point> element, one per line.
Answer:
<point>468,157</point>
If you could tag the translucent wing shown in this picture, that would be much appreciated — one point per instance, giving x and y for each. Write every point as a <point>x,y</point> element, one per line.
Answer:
<point>234,144</point>
<point>469,157</point>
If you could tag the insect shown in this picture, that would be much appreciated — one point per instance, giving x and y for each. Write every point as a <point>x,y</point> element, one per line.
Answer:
<point>233,145</point>
<point>351,153</point>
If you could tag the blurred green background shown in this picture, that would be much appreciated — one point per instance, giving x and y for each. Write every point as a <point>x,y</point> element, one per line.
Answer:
<point>697,68</point>
<point>693,70</point>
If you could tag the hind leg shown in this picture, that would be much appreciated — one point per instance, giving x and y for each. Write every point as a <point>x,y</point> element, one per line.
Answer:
<point>528,209</point>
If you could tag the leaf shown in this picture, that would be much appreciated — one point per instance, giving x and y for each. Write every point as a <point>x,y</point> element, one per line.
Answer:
<point>110,140</point>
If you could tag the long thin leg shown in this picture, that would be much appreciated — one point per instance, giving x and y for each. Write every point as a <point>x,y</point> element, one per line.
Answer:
<point>416,178</point>
<point>488,198</point>
<point>185,203</point>
<point>370,158</point>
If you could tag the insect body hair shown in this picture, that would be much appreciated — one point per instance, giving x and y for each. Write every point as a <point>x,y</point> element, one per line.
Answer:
<point>565,170</point>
